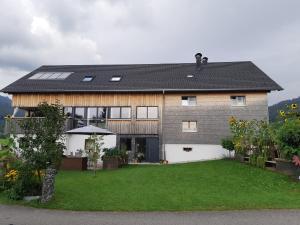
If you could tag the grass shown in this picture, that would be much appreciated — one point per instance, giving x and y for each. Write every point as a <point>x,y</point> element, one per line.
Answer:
<point>3,141</point>
<point>212,185</point>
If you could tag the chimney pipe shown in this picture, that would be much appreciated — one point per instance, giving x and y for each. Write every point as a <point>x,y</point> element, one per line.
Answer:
<point>198,57</point>
<point>204,60</point>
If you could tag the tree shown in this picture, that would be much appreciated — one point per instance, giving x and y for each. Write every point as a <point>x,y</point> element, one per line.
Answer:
<point>43,143</point>
<point>93,149</point>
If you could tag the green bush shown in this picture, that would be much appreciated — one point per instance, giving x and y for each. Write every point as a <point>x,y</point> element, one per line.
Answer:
<point>114,153</point>
<point>228,144</point>
<point>26,182</point>
<point>253,160</point>
<point>288,138</point>
<point>261,162</point>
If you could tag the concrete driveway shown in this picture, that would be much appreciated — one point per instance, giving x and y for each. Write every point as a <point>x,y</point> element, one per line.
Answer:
<point>18,215</point>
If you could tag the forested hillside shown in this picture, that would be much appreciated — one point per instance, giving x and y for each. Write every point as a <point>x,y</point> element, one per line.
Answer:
<point>5,109</point>
<point>274,109</point>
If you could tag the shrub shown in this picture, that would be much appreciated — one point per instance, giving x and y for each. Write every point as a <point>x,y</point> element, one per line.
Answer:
<point>115,153</point>
<point>253,160</point>
<point>261,162</point>
<point>22,180</point>
<point>227,143</point>
<point>288,138</point>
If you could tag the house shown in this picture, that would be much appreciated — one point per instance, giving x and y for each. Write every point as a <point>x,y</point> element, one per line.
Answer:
<point>178,112</point>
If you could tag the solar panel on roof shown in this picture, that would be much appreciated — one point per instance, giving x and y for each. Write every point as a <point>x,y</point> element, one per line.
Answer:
<point>50,76</point>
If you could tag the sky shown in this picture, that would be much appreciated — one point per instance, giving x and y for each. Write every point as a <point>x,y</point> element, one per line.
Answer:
<point>47,32</point>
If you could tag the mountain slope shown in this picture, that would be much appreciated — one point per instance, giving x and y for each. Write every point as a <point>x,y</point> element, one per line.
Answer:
<point>5,109</point>
<point>274,109</point>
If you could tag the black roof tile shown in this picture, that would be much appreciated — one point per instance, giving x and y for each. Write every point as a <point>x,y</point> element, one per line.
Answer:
<point>221,76</point>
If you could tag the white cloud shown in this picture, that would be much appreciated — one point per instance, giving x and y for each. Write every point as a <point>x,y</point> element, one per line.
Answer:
<point>34,32</point>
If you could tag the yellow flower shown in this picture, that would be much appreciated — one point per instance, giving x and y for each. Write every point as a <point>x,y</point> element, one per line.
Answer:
<point>232,120</point>
<point>12,175</point>
<point>282,113</point>
<point>294,106</point>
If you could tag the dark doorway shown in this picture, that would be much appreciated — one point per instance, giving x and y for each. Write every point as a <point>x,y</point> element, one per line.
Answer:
<point>125,144</point>
<point>147,149</point>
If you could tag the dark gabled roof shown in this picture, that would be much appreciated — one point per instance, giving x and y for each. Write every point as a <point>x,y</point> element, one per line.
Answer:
<point>221,76</point>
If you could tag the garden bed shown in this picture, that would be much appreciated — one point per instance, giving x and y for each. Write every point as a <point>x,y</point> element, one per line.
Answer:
<point>287,167</point>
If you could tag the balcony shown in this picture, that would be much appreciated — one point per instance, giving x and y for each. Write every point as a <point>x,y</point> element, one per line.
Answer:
<point>12,125</point>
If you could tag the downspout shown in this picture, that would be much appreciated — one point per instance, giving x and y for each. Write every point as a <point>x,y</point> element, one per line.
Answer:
<point>161,126</point>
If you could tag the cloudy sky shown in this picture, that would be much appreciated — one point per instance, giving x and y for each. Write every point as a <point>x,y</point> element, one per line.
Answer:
<point>40,32</point>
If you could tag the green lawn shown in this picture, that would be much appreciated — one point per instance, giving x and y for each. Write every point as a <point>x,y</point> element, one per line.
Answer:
<point>212,185</point>
<point>3,141</point>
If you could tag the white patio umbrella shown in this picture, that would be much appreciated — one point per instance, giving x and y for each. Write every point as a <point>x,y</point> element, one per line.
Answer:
<point>89,130</point>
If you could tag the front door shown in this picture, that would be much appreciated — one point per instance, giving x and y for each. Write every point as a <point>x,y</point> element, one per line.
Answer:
<point>147,149</point>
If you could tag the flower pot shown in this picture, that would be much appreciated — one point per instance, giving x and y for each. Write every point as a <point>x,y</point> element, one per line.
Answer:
<point>111,163</point>
<point>287,167</point>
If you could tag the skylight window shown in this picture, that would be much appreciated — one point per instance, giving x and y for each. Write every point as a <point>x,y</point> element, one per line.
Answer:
<point>190,76</point>
<point>87,78</point>
<point>50,76</point>
<point>115,78</point>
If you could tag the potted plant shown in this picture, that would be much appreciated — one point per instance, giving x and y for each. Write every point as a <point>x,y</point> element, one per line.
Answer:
<point>114,158</point>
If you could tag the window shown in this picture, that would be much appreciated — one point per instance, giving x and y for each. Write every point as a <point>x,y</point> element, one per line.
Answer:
<point>88,79</point>
<point>189,126</point>
<point>190,76</point>
<point>79,117</point>
<point>92,116</point>
<point>92,113</point>
<point>125,144</point>
<point>147,112</point>
<point>68,111</point>
<point>89,144</point>
<point>101,113</point>
<point>188,100</point>
<point>120,113</point>
<point>115,113</point>
<point>115,78</point>
<point>79,113</point>
<point>126,112</point>
<point>152,112</point>
<point>50,76</point>
<point>238,100</point>
<point>187,149</point>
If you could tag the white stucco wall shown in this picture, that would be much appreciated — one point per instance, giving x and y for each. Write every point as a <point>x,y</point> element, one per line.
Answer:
<point>174,152</point>
<point>77,141</point>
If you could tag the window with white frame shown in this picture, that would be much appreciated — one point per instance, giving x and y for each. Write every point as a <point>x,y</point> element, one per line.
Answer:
<point>120,112</point>
<point>188,100</point>
<point>147,112</point>
<point>238,100</point>
<point>189,126</point>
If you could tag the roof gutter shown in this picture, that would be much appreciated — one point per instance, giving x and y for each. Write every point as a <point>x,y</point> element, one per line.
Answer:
<point>145,90</point>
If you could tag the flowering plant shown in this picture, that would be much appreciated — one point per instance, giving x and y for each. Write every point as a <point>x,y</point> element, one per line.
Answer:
<point>12,175</point>
<point>290,112</point>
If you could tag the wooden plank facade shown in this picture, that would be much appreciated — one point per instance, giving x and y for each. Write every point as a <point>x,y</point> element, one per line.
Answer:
<point>119,126</point>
